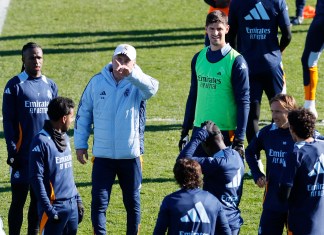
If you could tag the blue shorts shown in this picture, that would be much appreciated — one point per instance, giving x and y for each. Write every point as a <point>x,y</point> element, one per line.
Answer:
<point>271,82</point>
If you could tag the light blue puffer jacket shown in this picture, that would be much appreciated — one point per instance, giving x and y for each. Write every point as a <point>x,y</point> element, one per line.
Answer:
<point>112,110</point>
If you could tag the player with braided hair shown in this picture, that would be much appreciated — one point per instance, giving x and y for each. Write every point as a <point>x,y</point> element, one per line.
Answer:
<point>24,110</point>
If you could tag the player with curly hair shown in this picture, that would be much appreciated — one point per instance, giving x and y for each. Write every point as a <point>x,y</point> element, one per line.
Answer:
<point>223,170</point>
<point>303,179</point>
<point>178,210</point>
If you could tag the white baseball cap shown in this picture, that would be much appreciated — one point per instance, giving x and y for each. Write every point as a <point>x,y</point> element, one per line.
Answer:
<point>125,49</point>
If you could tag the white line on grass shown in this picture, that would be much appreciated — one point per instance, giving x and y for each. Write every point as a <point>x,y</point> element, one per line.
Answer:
<point>4,4</point>
<point>173,120</point>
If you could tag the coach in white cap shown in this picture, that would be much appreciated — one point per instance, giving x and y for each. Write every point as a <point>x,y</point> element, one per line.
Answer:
<point>110,104</point>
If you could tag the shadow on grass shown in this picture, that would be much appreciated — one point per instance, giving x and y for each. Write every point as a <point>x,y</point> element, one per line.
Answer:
<point>97,49</point>
<point>160,37</point>
<point>145,181</point>
<point>168,127</point>
<point>148,128</point>
<point>146,38</point>
<point>101,34</point>
<point>294,31</point>
<point>5,189</point>
<point>87,184</point>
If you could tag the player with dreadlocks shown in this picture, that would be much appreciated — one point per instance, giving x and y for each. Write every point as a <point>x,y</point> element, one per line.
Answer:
<point>24,110</point>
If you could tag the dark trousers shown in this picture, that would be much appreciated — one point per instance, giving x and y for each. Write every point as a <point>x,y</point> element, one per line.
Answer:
<point>67,211</point>
<point>300,4</point>
<point>129,174</point>
<point>272,222</point>
<point>19,192</point>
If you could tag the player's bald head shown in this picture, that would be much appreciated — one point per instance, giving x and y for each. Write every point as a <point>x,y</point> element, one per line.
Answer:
<point>215,141</point>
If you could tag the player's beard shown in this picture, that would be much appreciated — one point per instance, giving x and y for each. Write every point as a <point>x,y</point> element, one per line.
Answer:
<point>217,44</point>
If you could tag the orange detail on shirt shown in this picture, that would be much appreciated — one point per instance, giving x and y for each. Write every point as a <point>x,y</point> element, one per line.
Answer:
<point>43,222</point>
<point>265,192</point>
<point>52,198</point>
<point>18,145</point>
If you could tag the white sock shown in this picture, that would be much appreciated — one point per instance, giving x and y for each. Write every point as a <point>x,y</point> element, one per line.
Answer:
<point>310,104</point>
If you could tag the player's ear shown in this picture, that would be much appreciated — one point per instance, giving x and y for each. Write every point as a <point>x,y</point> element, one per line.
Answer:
<point>227,27</point>
<point>133,63</point>
<point>64,119</point>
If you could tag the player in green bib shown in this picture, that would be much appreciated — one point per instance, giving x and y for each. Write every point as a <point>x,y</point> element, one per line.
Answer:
<point>215,87</point>
<point>219,88</point>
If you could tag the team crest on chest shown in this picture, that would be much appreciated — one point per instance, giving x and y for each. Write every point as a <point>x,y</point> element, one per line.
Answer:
<point>49,94</point>
<point>126,93</point>
<point>17,175</point>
